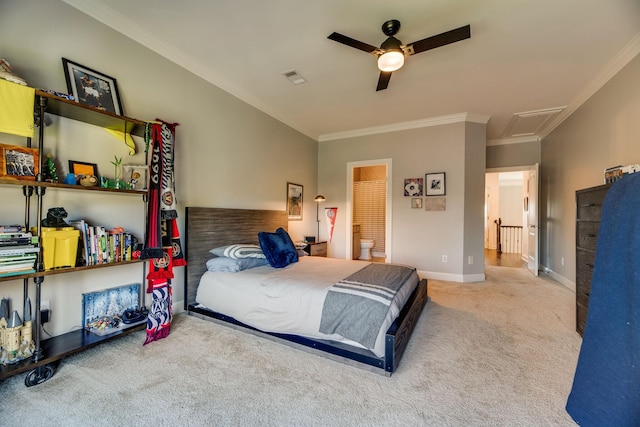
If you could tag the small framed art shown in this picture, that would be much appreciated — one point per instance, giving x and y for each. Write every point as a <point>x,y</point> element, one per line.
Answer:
<point>416,202</point>
<point>82,168</point>
<point>92,88</point>
<point>435,184</point>
<point>294,201</point>
<point>413,187</point>
<point>18,162</point>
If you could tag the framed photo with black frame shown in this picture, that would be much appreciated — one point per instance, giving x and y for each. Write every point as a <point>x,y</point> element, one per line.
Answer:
<point>82,168</point>
<point>435,184</point>
<point>294,201</point>
<point>92,88</point>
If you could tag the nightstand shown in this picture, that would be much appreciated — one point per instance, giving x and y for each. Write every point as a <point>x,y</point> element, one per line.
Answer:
<point>316,249</point>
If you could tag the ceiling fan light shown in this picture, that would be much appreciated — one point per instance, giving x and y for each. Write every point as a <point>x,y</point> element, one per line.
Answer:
<point>391,61</point>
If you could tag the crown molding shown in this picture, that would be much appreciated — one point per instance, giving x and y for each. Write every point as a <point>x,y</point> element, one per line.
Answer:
<point>626,54</point>
<point>414,124</point>
<point>122,24</point>
<point>514,140</point>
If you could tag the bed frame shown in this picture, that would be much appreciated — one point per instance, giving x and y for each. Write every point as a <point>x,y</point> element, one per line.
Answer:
<point>207,228</point>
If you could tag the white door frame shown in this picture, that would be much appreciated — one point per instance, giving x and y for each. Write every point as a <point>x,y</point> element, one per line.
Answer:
<point>533,247</point>
<point>533,219</point>
<point>388,220</point>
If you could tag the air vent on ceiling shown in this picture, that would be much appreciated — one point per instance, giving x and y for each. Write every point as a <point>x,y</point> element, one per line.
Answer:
<point>530,123</point>
<point>294,77</point>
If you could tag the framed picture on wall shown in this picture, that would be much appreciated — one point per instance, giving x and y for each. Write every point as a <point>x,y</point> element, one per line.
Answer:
<point>294,201</point>
<point>413,187</point>
<point>435,184</point>
<point>81,168</point>
<point>92,88</point>
<point>18,162</point>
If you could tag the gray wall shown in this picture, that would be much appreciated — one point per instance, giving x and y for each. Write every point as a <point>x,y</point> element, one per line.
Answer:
<point>510,155</point>
<point>419,237</point>
<point>603,132</point>
<point>228,154</point>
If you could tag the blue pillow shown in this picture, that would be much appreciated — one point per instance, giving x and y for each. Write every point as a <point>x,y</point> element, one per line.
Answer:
<point>278,248</point>
<point>233,265</point>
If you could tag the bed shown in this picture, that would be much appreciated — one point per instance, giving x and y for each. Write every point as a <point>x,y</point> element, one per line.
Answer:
<point>206,296</point>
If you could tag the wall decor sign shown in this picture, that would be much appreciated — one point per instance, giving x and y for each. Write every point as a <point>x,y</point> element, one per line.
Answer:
<point>92,88</point>
<point>435,184</point>
<point>435,204</point>
<point>294,201</point>
<point>413,187</point>
<point>18,162</point>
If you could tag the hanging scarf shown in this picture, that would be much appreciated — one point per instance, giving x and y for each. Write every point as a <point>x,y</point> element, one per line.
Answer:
<point>152,246</point>
<point>162,200</point>
<point>161,312</point>
<point>162,246</point>
<point>171,238</point>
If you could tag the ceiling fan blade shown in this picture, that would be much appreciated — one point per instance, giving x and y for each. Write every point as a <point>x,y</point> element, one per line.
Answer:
<point>383,81</point>
<point>352,42</point>
<point>440,40</point>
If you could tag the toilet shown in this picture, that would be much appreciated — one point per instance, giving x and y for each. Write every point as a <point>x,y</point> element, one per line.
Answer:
<point>365,248</point>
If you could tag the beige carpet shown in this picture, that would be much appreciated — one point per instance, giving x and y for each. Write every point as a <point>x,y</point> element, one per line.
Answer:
<point>498,353</point>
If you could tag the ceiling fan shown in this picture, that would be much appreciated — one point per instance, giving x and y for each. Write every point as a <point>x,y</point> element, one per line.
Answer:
<point>392,52</point>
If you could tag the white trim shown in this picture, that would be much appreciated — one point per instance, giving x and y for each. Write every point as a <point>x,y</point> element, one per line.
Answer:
<point>414,124</point>
<point>388,235</point>
<point>514,140</point>
<point>122,24</point>
<point>560,279</point>
<point>449,277</point>
<point>628,52</point>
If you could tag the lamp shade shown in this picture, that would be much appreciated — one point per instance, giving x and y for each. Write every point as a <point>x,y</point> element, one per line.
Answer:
<point>391,61</point>
<point>319,198</point>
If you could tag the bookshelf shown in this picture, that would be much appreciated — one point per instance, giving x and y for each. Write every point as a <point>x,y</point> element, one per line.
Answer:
<point>49,352</point>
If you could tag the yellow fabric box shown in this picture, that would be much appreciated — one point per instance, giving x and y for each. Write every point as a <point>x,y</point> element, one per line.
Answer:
<point>59,247</point>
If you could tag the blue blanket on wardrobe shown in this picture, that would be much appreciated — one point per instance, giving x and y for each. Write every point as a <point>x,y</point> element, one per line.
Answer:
<point>606,386</point>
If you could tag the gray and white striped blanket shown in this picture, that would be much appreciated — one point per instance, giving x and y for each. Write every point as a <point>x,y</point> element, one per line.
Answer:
<point>356,306</point>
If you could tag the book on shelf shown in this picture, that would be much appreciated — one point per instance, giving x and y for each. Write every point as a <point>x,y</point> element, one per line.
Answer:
<point>7,243</point>
<point>17,272</point>
<point>19,250</point>
<point>17,260</point>
<point>102,246</point>
<point>13,228</point>
<point>16,267</point>
<point>83,249</point>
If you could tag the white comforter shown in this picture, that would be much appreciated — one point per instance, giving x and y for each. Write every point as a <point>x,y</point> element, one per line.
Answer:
<point>287,300</point>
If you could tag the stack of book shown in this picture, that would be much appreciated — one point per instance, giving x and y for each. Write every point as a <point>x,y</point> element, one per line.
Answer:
<point>98,245</point>
<point>18,251</point>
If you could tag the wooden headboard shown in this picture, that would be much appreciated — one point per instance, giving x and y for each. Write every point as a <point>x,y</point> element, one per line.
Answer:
<point>208,228</point>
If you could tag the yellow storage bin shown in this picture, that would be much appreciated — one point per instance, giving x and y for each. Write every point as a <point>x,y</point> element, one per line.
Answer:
<point>59,247</point>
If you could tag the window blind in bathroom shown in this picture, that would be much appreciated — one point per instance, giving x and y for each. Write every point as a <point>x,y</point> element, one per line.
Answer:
<point>369,210</point>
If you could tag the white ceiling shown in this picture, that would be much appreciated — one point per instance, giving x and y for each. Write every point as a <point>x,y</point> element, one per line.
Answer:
<point>527,66</point>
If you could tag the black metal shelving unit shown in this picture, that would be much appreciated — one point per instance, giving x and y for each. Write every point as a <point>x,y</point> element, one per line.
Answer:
<point>47,354</point>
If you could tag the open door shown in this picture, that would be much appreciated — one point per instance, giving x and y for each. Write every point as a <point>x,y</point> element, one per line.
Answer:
<point>533,247</point>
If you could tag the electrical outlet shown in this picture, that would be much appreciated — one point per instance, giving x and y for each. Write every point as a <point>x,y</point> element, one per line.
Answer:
<point>45,315</point>
<point>444,258</point>
<point>470,259</point>
<point>562,261</point>
<point>45,305</point>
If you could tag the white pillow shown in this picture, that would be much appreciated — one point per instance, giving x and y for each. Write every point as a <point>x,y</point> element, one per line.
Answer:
<point>233,265</point>
<point>239,251</point>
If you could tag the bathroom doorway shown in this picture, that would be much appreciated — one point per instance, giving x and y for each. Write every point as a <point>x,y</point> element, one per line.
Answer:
<point>369,210</point>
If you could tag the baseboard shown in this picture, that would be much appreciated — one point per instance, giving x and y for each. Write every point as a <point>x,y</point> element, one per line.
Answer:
<point>449,277</point>
<point>559,278</point>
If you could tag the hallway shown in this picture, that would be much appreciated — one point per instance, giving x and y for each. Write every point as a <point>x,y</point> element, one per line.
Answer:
<point>492,257</point>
